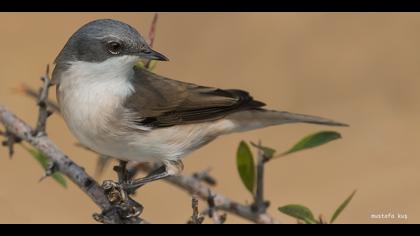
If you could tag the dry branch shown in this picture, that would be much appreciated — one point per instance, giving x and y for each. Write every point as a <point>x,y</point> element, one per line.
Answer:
<point>196,187</point>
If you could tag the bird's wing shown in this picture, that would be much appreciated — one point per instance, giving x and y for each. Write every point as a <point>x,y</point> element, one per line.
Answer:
<point>162,102</point>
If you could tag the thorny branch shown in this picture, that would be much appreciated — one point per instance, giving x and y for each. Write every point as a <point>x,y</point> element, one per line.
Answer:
<point>44,112</point>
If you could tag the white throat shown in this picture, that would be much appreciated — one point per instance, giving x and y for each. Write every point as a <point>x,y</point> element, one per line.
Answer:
<point>111,75</point>
<point>115,67</point>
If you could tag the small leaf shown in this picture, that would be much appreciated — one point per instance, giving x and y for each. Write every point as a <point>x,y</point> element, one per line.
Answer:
<point>342,207</point>
<point>268,152</point>
<point>246,166</point>
<point>299,212</point>
<point>43,161</point>
<point>313,140</point>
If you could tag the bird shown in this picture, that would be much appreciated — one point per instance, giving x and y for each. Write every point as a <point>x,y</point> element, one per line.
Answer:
<point>124,111</point>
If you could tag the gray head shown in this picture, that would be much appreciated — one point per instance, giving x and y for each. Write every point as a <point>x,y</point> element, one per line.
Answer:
<point>102,39</point>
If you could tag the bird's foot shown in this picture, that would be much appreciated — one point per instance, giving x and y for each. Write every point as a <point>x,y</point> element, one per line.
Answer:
<point>119,196</point>
<point>121,201</point>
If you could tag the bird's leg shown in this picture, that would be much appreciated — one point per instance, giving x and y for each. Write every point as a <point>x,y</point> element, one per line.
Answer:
<point>169,168</point>
<point>122,172</point>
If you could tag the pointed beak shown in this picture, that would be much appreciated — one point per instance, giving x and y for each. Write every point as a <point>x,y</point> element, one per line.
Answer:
<point>151,54</point>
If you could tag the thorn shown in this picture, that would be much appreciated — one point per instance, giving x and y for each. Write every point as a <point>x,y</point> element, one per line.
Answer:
<point>49,112</point>
<point>49,171</point>
<point>42,178</point>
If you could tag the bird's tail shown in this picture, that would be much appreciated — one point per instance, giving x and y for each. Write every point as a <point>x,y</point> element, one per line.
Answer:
<point>260,118</point>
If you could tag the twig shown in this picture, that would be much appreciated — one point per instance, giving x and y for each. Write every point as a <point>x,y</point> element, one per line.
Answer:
<point>152,35</point>
<point>152,31</point>
<point>196,218</point>
<point>194,186</point>
<point>260,205</point>
<point>65,165</point>
<point>43,113</point>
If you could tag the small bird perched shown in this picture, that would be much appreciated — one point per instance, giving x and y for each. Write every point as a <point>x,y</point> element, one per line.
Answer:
<point>126,112</point>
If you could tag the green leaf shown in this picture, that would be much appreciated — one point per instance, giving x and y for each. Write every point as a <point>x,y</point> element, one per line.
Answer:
<point>314,140</point>
<point>299,212</point>
<point>43,161</point>
<point>268,152</point>
<point>342,207</point>
<point>246,166</point>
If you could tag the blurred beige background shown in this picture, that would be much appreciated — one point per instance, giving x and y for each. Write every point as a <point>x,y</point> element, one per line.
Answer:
<point>357,68</point>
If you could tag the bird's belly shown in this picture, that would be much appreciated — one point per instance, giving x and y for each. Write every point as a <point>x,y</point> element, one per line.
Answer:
<point>156,145</point>
<point>177,141</point>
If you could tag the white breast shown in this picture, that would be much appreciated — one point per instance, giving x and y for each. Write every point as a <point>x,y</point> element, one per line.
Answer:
<point>91,97</point>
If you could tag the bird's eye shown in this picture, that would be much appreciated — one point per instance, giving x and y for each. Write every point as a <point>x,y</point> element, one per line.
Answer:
<point>114,47</point>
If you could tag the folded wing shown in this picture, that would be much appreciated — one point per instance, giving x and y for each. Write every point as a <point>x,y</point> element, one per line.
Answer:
<point>162,102</point>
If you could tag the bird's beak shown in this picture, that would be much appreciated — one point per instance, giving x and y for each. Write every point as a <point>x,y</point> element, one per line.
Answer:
<point>151,54</point>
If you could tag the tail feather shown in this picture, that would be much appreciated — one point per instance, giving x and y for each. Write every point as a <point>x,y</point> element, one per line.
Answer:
<point>260,118</point>
<point>294,117</point>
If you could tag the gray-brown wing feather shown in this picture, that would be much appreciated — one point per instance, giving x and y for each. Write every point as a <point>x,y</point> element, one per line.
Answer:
<point>162,102</point>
